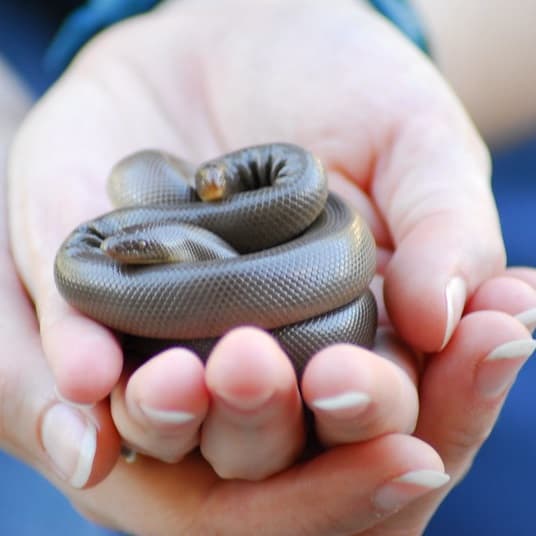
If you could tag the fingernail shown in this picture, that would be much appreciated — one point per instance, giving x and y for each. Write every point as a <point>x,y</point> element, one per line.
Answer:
<point>400,491</point>
<point>455,295</point>
<point>76,405</point>
<point>528,319</point>
<point>346,404</point>
<point>70,439</point>
<point>500,367</point>
<point>164,416</point>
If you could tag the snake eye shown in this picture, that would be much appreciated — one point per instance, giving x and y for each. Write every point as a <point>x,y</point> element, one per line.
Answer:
<point>141,244</point>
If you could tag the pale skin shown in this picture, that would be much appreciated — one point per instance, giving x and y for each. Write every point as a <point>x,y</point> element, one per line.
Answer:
<point>489,61</point>
<point>404,154</point>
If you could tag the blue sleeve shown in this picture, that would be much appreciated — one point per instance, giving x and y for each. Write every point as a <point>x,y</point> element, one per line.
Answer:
<point>86,21</point>
<point>95,15</point>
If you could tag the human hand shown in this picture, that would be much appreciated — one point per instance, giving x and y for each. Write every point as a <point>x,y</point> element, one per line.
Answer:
<point>333,496</point>
<point>349,484</point>
<point>405,155</point>
<point>340,492</point>
<point>75,447</point>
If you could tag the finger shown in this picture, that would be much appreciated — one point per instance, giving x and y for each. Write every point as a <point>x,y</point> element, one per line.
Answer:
<point>432,186</point>
<point>74,447</point>
<point>524,274</point>
<point>341,492</point>
<point>462,391</point>
<point>357,395</point>
<point>509,294</point>
<point>254,427</point>
<point>159,409</point>
<point>493,347</point>
<point>73,343</point>
<point>344,491</point>
<point>51,192</point>
<point>63,330</point>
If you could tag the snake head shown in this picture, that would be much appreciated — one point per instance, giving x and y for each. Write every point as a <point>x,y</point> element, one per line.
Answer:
<point>211,183</point>
<point>130,249</point>
<point>166,242</point>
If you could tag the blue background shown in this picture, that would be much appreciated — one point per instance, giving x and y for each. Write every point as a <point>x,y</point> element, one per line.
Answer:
<point>496,498</point>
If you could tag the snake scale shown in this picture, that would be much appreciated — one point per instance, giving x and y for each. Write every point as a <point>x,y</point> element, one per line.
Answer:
<point>269,246</point>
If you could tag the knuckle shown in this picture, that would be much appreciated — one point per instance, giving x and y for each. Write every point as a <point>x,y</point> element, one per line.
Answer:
<point>462,445</point>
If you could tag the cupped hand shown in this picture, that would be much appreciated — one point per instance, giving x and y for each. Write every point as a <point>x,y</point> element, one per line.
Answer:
<point>202,78</point>
<point>78,446</point>
<point>390,484</point>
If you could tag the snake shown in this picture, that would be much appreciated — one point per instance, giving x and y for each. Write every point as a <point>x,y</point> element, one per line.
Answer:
<point>252,237</point>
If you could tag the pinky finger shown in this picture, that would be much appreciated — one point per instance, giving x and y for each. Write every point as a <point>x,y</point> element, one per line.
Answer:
<point>512,294</point>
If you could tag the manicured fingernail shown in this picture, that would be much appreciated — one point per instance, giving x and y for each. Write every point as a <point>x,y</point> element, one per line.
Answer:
<point>70,439</point>
<point>500,367</point>
<point>164,416</point>
<point>76,405</point>
<point>403,489</point>
<point>455,296</point>
<point>528,319</point>
<point>345,404</point>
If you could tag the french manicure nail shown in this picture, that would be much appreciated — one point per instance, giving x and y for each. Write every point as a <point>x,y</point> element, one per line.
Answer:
<point>403,489</point>
<point>345,404</point>
<point>455,295</point>
<point>70,439</point>
<point>499,368</point>
<point>164,416</point>
<point>528,319</point>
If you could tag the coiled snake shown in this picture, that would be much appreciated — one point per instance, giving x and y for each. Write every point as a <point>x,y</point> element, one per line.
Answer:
<point>268,247</point>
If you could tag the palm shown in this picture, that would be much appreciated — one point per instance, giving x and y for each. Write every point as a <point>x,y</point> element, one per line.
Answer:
<point>206,94</point>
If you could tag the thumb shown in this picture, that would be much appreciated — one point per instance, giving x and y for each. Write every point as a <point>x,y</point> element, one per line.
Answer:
<point>72,446</point>
<point>434,191</point>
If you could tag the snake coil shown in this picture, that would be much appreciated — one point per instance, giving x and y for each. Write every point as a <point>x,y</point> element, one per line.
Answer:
<point>278,252</point>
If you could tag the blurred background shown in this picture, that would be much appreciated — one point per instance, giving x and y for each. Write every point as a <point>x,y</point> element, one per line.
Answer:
<point>485,48</point>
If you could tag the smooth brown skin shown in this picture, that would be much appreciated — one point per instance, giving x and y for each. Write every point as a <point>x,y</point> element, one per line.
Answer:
<point>426,197</point>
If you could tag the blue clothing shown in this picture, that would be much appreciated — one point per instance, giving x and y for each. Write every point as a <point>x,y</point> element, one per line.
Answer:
<point>84,22</point>
<point>495,499</point>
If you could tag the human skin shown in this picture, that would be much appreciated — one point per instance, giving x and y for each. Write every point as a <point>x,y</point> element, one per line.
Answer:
<point>417,190</point>
<point>333,494</point>
<point>408,159</point>
<point>492,49</point>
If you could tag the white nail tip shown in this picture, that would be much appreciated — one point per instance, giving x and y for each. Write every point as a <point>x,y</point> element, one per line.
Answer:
<point>166,416</point>
<point>455,295</point>
<point>528,319</point>
<point>427,478</point>
<point>350,399</point>
<point>70,439</point>
<point>513,350</point>
<point>88,448</point>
